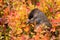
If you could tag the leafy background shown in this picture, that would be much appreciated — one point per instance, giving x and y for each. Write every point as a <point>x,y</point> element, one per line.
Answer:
<point>15,14</point>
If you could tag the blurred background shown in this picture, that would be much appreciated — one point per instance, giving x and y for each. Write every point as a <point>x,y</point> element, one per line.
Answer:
<point>14,15</point>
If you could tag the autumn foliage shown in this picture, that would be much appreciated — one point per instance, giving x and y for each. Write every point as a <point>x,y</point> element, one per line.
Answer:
<point>14,15</point>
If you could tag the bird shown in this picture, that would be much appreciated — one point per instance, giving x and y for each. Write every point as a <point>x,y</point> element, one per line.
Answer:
<point>39,17</point>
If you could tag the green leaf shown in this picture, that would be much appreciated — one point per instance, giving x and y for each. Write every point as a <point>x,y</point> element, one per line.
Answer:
<point>1,13</point>
<point>1,28</point>
<point>7,28</point>
<point>37,0</point>
<point>56,33</point>
<point>31,29</point>
<point>31,35</point>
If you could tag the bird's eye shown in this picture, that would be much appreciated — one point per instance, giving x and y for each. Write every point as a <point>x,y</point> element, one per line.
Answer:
<point>30,16</point>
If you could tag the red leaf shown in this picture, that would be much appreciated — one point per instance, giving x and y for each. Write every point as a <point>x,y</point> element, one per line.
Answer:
<point>38,3</point>
<point>51,9</point>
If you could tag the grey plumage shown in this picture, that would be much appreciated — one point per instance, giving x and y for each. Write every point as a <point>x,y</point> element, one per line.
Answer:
<point>39,17</point>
